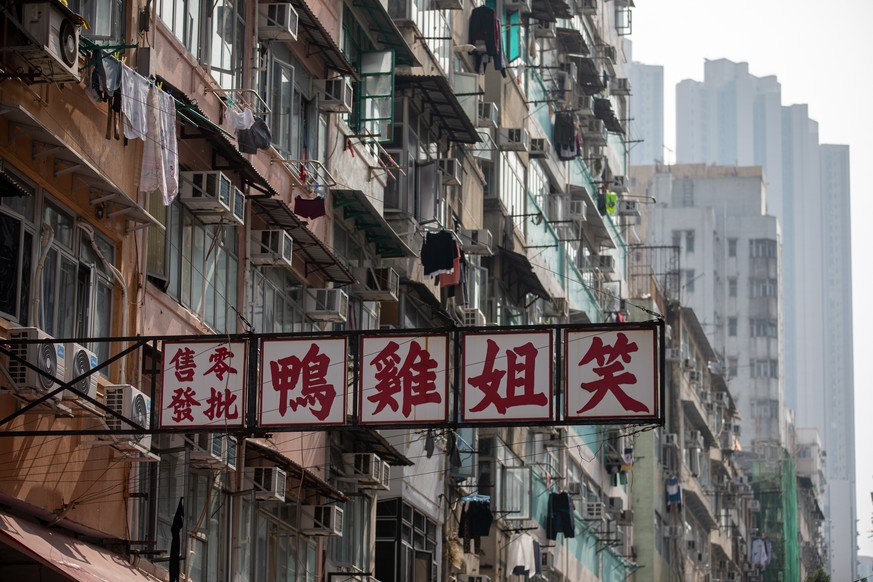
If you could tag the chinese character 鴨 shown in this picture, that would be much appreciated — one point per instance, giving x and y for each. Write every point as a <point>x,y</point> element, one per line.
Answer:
<point>287,372</point>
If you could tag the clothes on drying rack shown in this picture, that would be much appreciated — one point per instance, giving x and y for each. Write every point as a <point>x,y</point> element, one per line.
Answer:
<point>160,158</point>
<point>521,556</point>
<point>257,137</point>
<point>476,519</point>
<point>484,34</point>
<point>134,103</point>
<point>561,516</point>
<point>309,207</point>
<point>438,253</point>
<point>674,493</point>
<point>239,119</point>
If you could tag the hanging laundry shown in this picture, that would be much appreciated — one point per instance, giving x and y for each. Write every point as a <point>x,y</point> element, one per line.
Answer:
<point>561,516</point>
<point>106,86</point>
<point>309,207</point>
<point>520,555</point>
<point>484,34</point>
<point>565,135</point>
<point>160,159</point>
<point>238,119</point>
<point>674,493</point>
<point>438,253</point>
<point>476,519</point>
<point>257,137</point>
<point>134,103</point>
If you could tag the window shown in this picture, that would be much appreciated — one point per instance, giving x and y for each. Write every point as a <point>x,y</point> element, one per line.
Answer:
<point>733,366</point>
<point>279,549</point>
<point>104,18</point>
<point>197,264</point>
<point>16,257</point>
<point>732,286</point>
<point>764,327</point>
<point>690,278</point>
<point>183,18</point>
<point>515,493</point>
<point>677,239</point>
<point>353,548</point>
<point>764,287</point>
<point>294,119</point>
<point>732,247</point>
<point>762,248</point>
<point>406,543</point>
<point>281,101</point>
<point>765,368</point>
<point>689,241</point>
<point>276,303</point>
<point>513,192</point>
<point>732,326</point>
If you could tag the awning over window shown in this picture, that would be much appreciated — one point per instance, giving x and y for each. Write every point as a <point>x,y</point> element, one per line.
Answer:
<point>590,76</point>
<point>603,110</point>
<point>699,508</point>
<point>69,161</point>
<point>69,557</point>
<point>423,296</point>
<point>367,440</point>
<point>520,277</point>
<point>594,228</point>
<point>356,206</point>
<point>542,11</point>
<point>294,471</point>
<point>320,42</point>
<point>317,256</point>
<point>11,184</point>
<point>436,93</point>
<point>387,32</point>
<point>572,42</point>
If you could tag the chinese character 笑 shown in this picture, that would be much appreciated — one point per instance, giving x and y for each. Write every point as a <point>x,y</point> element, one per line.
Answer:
<point>287,372</point>
<point>183,361</point>
<point>181,403</point>
<point>610,367</point>
<point>220,367</point>
<point>415,380</point>
<point>520,378</point>
<point>220,405</point>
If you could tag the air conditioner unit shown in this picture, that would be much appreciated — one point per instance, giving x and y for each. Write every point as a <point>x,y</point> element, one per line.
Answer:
<point>476,241</point>
<point>557,437</point>
<point>618,184</point>
<point>134,405</point>
<point>689,364</point>
<point>609,53</point>
<point>540,147</point>
<point>615,503</point>
<point>322,520</point>
<point>578,210</point>
<point>336,94</point>
<point>737,429</point>
<point>594,131</point>
<point>694,376</point>
<point>584,104</point>
<point>277,21</point>
<point>513,139</point>
<point>376,284</point>
<point>557,307</point>
<point>673,354</point>
<point>548,561</point>
<point>671,439</point>
<point>48,357</point>
<point>327,305</point>
<point>709,407</point>
<point>77,361</point>
<point>210,449</point>
<point>212,197</point>
<point>606,263</point>
<point>55,30</point>
<point>742,480</point>
<point>691,545</point>
<point>575,488</point>
<point>628,208</point>
<point>754,505</point>
<point>522,6</point>
<point>571,72</point>
<point>593,510</point>
<point>620,86</point>
<point>584,7</point>
<point>473,578</point>
<point>451,171</point>
<point>369,469</point>
<point>544,30</point>
<point>448,5</point>
<point>271,247</point>
<point>672,531</point>
<point>722,564</point>
<point>723,398</point>
<point>626,517</point>
<point>488,115</point>
<point>268,482</point>
<point>473,317</point>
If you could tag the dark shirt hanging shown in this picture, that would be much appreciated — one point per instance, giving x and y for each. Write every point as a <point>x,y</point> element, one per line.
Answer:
<point>309,207</point>
<point>561,517</point>
<point>438,253</point>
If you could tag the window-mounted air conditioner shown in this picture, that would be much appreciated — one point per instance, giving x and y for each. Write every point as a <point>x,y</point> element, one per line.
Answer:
<point>376,284</point>
<point>593,510</point>
<point>578,210</point>
<point>586,7</point>
<point>513,139</point>
<point>694,376</point>
<point>55,32</point>
<point>214,450</point>
<point>557,437</point>
<point>548,561</point>
<point>369,469</point>
<point>488,114</point>
<point>544,30</point>
<point>557,307</point>
<point>473,578</point>
<point>134,405</point>
<point>609,53</point>
<point>212,197</point>
<point>540,147</point>
<point>271,247</point>
<point>79,360</point>
<point>671,439</point>
<point>620,86</point>
<point>451,171</point>
<point>476,241</point>
<point>571,72</point>
<point>755,505</point>
<point>268,482</point>
<point>615,504</point>
<point>336,94</point>
<point>626,517</point>
<point>629,208</point>
<point>673,354</point>
<point>594,131</point>
<point>584,104</point>
<point>691,544</point>
<point>277,21</point>
<point>575,488</point>
<point>672,531</point>
<point>327,305</point>
<point>523,6</point>
<point>322,520</point>
<point>473,317</point>
<point>618,184</point>
<point>48,357</point>
<point>606,263</point>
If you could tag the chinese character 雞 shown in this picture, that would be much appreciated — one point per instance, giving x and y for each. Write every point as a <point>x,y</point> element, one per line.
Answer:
<point>415,380</point>
<point>520,378</point>
<point>287,372</point>
<point>610,367</point>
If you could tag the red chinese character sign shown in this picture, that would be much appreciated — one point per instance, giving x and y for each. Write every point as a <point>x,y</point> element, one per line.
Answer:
<point>203,384</point>
<point>303,381</point>
<point>611,374</point>
<point>404,379</point>
<point>507,377</point>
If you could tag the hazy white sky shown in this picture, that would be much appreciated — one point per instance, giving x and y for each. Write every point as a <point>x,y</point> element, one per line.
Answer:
<point>821,53</point>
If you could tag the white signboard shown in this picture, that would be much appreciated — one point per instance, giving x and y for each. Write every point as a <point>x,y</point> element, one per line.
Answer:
<point>404,379</point>
<point>203,384</point>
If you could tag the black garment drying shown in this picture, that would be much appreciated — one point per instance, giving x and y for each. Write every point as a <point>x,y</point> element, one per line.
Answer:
<point>561,517</point>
